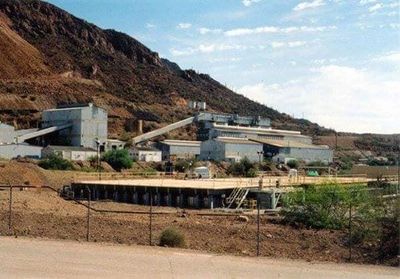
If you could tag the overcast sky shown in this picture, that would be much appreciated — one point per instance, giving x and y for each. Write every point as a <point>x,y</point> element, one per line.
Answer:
<point>334,62</point>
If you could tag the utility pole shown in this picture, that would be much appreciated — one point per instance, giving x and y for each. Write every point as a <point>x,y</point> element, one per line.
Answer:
<point>260,153</point>
<point>10,209</point>
<point>398,169</point>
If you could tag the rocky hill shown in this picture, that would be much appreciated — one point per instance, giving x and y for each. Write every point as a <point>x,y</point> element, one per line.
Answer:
<point>49,57</point>
<point>62,59</point>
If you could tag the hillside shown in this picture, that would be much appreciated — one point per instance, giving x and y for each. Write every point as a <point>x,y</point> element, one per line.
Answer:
<point>49,57</point>
<point>109,62</point>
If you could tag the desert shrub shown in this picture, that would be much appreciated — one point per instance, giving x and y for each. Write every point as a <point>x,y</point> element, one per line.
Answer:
<point>182,165</point>
<point>375,220</point>
<point>252,172</point>
<point>55,162</point>
<point>170,237</point>
<point>293,164</point>
<point>323,207</point>
<point>243,168</point>
<point>118,159</point>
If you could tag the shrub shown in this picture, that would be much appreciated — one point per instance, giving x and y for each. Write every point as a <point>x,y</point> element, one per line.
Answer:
<point>55,162</point>
<point>243,168</point>
<point>251,173</point>
<point>182,165</point>
<point>322,207</point>
<point>118,159</point>
<point>293,164</point>
<point>172,238</point>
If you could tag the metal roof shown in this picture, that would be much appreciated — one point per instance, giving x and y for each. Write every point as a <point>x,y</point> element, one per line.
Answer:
<point>257,130</point>
<point>146,148</point>
<point>235,140</point>
<point>182,142</point>
<point>288,143</point>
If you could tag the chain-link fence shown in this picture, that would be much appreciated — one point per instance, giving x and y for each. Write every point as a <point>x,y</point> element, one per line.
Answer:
<point>40,212</point>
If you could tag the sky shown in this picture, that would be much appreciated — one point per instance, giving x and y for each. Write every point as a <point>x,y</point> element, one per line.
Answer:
<point>334,62</point>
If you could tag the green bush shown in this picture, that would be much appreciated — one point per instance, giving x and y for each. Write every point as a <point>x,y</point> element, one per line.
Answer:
<point>55,162</point>
<point>323,207</point>
<point>243,168</point>
<point>118,159</point>
<point>172,238</point>
<point>293,164</point>
<point>251,172</point>
<point>183,165</point>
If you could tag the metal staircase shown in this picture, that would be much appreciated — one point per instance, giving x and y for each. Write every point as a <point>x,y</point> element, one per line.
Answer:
<point>237,196</point>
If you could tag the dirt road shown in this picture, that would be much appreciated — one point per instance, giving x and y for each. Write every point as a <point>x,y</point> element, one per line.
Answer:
<point>27,258</point>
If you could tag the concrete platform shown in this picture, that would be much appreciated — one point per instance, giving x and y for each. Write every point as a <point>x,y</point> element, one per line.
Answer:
<point>222,184</point>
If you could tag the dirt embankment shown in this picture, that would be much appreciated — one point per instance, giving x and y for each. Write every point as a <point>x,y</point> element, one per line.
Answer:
<point>43,214</point>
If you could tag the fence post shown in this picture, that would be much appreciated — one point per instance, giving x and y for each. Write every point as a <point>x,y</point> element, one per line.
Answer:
<point>151,218</point>
<point>10,209</point>
<point>350,229</point>
<point>258,224</point>
<point>88,216</point>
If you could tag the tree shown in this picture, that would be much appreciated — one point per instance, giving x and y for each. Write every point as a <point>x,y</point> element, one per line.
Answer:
<point>293,164</point>
<point>55,162</point>
<point>243,168</point>
<point>118,159</point>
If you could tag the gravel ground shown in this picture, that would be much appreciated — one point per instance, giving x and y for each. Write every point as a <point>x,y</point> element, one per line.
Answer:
<point>42,214</point>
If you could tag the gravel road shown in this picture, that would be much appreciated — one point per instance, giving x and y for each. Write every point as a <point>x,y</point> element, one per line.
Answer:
<point>32,258</point>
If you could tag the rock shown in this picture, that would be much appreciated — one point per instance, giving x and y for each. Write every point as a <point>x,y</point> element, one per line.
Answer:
<point>243,218</point>
<point>269,235</point>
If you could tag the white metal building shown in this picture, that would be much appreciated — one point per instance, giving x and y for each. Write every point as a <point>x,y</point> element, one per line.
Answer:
<point>179,149</point>
<point>88,124</point>
<point>114,144</point>
<point>284,150</point>
<point>72,153</point>
<point>230,149</point>
<point>12,151</point>
<point>145,154</point>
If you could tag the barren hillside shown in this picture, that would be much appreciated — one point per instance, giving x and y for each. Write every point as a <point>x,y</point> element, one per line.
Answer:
<point>88,63</point>
<point>49,57</point>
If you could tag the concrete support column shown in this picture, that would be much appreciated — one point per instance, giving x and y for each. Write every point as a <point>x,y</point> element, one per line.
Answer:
<point>211,201</point>
<point>125,196</point>
<point>273,199</point>
<point>196,201</point>
<point>146,199</point>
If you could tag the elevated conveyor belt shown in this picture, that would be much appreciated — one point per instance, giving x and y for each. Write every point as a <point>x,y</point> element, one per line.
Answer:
<point>42,132</point>
<point>166,129</point>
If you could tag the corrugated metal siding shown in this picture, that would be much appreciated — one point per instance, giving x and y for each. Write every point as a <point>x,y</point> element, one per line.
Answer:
<point>212,150</point>
<point>220,151</point>
<point>11,151</point>
<point>89,124</point>
<point>7,134</point>
<point>306,154</point>
<point>243,150</point>
<point>184,152</point>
